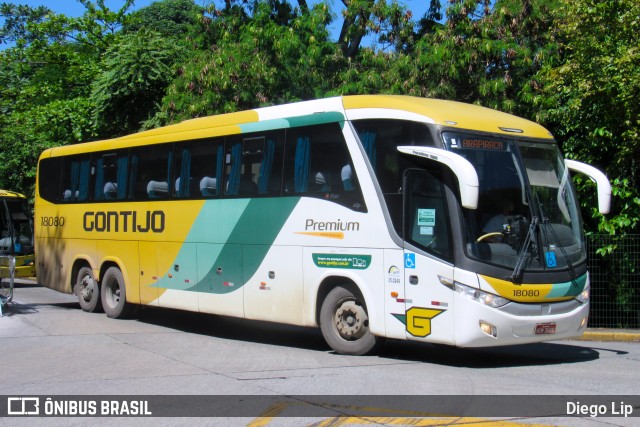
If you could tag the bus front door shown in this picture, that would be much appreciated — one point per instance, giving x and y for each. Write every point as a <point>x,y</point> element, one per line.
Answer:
<point>428,271</point>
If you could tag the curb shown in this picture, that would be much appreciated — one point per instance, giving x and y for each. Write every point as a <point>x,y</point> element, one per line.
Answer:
<point>619,335</point>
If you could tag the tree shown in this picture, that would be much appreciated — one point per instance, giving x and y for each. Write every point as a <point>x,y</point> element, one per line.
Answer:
<point>388,25</point>
<point>487,53</point>
<point>136,70</point>
<point>48,73</point>
<point>27,133</point>
<point>18,21</point>
<point>271,53</point>
<point>589,100</point>
<point>171,18</point>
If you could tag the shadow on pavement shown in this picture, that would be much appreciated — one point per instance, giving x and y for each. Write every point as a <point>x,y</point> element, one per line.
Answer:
<point>538,354</point>
<point>311,339</point>
<point>551,353</point>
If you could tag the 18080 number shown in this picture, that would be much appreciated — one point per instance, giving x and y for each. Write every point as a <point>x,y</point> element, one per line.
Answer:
<point>52,221</point>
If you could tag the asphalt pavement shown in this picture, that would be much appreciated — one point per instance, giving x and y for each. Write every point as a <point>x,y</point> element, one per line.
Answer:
<point>170,358</point>
<point>591,334</point>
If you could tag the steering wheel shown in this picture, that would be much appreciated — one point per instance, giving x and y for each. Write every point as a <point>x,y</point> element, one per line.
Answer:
<point>484,236</point>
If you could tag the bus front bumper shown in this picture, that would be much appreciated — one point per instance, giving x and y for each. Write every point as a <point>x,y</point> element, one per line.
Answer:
<point>25,267</point>
<point>478,325</point>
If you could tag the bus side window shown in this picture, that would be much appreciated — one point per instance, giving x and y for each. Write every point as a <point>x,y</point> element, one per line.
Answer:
<point>49,174</point>
<point>183,183</point>
<point>317,164</point>
<point>270,170</point>
<point>254,164</point>
<point>245,157</point>
<point>109,172</point>
<point>76,179</point>
<point>380,139</point>
<point>205,169</point>
<point>151,172</point>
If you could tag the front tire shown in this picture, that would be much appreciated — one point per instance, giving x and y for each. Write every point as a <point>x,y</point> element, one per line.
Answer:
<point>345,324</point>
<point>114,294</point>
<point>87,291</point>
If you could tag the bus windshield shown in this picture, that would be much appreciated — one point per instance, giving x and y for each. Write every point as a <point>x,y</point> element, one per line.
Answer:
<point>15,227</point>
<point>527,216</point>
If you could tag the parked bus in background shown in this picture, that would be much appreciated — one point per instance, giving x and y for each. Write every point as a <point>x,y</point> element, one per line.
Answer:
<point>371,217</point>
<point>16,234</point>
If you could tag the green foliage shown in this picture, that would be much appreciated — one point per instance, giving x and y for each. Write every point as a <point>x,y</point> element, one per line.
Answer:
<point>171,18</point>
<point>26,134</point>
<point>572,65</point>
<point>18,20</point>
<point>47,75</point>
<point>98,25</point>
<point>250,61</point>
<point>487,53</point>
<point>590,101</point>
<point>136,69</point>
<point>387,24</point>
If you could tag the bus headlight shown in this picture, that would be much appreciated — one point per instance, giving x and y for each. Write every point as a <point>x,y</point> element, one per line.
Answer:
<point>584,295</point>
<point>479,296</point>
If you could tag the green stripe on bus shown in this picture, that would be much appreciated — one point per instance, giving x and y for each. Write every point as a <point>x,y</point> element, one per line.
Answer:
<point>568,289</point>
<point>257,223</point>
<point>292,122</point>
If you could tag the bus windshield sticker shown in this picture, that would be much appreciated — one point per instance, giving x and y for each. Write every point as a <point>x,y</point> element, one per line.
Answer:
<point>426,221</point>
<point>426,231</point>
<point>426,217</point>
<point>550,258</point>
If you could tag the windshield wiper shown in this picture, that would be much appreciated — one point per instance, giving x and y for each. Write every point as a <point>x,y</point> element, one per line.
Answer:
<point>516,276</point>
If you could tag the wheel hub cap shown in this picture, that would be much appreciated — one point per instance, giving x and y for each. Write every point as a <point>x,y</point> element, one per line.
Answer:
<point>350,320</point>
<point>86,291</point>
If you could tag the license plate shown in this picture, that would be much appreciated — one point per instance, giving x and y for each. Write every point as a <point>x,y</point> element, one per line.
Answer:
<point>545,328</point>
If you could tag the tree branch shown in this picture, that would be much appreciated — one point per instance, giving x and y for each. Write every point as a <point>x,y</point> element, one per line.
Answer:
<point>304,7</point>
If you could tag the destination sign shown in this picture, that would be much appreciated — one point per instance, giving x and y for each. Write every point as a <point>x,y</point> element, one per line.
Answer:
<point>483,144</point>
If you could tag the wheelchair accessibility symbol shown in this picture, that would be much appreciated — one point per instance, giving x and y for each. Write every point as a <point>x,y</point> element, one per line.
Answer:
<point>551,259</point>
<point>409,260</point>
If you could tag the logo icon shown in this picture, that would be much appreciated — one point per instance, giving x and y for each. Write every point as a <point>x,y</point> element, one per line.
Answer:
<point>418,320</point>
<point>23,406</point>
<point>409,260</point>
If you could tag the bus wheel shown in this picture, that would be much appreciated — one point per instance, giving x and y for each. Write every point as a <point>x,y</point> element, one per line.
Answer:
<point>88,291</point>
<point>113,294</point>
<point>345,324</point>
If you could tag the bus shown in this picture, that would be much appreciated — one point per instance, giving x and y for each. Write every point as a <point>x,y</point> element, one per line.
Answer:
<point>370,217</point>
<point>17,259</point>
<point>16,235</point>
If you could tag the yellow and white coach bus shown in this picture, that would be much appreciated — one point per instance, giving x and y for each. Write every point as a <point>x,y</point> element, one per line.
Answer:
<point>368,216</point>
<point>16,235</point>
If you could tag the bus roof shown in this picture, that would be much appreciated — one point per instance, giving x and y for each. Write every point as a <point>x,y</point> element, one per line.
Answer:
<point>446,113</point>
<point>452,114</point>
<point>12,194</point>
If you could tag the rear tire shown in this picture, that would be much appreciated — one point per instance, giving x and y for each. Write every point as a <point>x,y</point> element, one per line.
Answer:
<point>87,291</point>
<point>345,324</point>
<point>114,294</point>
